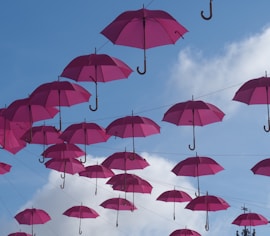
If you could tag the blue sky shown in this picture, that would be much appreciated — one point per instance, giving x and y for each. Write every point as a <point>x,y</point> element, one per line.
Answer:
<point>38,39</point>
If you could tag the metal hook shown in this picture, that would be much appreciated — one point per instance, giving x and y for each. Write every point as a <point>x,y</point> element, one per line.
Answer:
<point>210,12</point>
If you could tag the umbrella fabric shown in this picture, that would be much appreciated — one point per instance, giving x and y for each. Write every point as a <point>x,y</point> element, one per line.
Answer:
<point>4,168</point>
<point>96,68</point>
<point>185,232</point>
<point>262,167</point>
<point>31,216</point>
<point>63,151</point>
<point>118,204</point>
<point>125,161</point>
<point>255,91</point>
<point>174,196</point>
<point>207,203</point>
<point>96,171</point>
<point>10,133</point>
<point>197,166</point>
<point>193,113</point>
<point>59,93</point>
<point>81,212</point>
<point>23,110</point>
<point>132,126</point>
<point>144,29</point>
<point>68,165</point>
<point>250,219</point>
<point>19,234</point>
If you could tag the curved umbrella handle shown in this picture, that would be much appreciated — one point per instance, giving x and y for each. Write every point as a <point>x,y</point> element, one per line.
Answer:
<point>267,129</point>
<point>41,160</point>
<point>90,107</point>
<point>80,227</point>
<point>144,68</point>
<point>84,160</point>
<point>62,186</point>
<point>192,148</point>
<point>210,12</point>
<point>207,222</point>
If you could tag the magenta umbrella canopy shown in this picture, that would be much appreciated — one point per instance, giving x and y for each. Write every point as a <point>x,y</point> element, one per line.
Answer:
<point>262,167</point>
<point>19,234</point>
<point>81,212</point>
<point>125,161</point>
<point>193,113</point>
<point>118,204</point>
<point>132,126</point>
<point>144,29</point>
<point>4,168</point>
<point>197,166</point>
<point>32,216</point>
<point>96,68</point>
<point>184,232</point>
<point>174,196</point>
<point>250,219</point>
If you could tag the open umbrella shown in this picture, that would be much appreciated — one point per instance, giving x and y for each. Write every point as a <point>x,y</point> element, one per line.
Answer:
<point>65,165</point>
<point>262,167</point>
<point>197,166</point>
<point>32,216</point>
<point>19,234</point>
<point>193,113</point>
<point>96,171</point>
<point>85,133</point>
<point>4,168</point>
<point>81,212</point>
<point>255,91</point>
<point>132,126</point>
<point>125,161</point>
<point>250,219</point>
<point>184,232</point>
<point>118,204</point>
<point>207,203</point>
<point>59,93</point>
<point>144,29</point>
<point>174,196</point>
<point>96,68</point>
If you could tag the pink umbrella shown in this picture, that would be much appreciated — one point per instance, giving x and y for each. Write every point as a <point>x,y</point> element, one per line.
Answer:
<point>262,167</point>
<point>255,91</point>
<point>193,113</point>
<point>20,234</point>
<point>32,216</point>
<point>68,165</point>
<point>59,93</point>
<point>97,171</point>
<point>207,203</point>
<point>132,126</point>
<point>85,133</point>
<point>44,135</point>
<point>197,166</point>
<point>118,204</point>
<point>96,68</point>
<point>174,196</point>
<point>250,219</point>
<point>184,232</point>
<point>125,161</point>
<point>144,29</point>
<point>4,168</point>
<point>81,212</point>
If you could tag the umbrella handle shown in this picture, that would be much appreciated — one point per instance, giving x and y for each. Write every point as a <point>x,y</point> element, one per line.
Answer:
<point>210,12</point>
<point>267,129</point>
<point>41,160</point>
<point>192,148</point>
<point>90,107</point>
<point>207,222</point>
<point>144,65</point>
<point>80,228</point>
<point>62,186</point>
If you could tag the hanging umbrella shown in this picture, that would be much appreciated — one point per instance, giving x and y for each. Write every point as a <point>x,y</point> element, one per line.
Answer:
<point>174,196</point>
<point>250,219</point>
<point>96,68</point>
<point>193,113</point>
<point>44,134</point>
<point>144,29</point>
<point>84,133</point>
<point>118,204</point>
<point>4,168</point>
<point>67,165</point>
<point>125,161</point>
<point>10,133</point>
<point>132,126</point>
<point>184,232</point>
<point>197,166</point>
<point>96,171</point>
<point>262,167</point>
<point>81,212</point>
<point>32,216</point>
<point>19,234</point>
<point>207,203</point>
<point>59,93</point>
